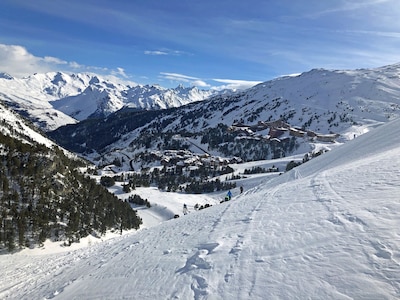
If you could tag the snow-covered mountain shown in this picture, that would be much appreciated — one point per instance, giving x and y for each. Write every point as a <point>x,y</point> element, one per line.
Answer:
<point>346,103</point>
<point>327,229</point>
<point>54,99</point>
<point>13,125</point>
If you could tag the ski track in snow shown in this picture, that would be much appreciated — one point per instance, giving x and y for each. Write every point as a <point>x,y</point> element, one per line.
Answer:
<point>355,219</point>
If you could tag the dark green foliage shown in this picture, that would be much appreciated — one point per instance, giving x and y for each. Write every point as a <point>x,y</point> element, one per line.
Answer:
<point>99,133</point>
<point>43,195</point>
<point>197,187</point>
<point>136,199</point>
<point>107,181</point>
<point>175,179</point>
<point>292,164</point>
<point>255,170</point>
<point>258,170</point>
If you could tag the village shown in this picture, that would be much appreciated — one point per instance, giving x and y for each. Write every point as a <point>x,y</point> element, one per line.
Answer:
<point>277,129</point>
<point>176,161</point>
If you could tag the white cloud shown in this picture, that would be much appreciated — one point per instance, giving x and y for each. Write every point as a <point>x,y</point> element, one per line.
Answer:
<point>235,84</point>
<point>156,52</point>
<point>75,65</point>
<point>165,51</point>
<point>200,83</point>
<point>178,77</point>
<point>348,6</point>
<point>194,81</point>
<point>18,62</point>
<point>54,60</point>
<point>119,72</point>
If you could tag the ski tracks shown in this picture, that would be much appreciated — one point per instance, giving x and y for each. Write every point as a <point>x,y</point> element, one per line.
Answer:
<point>345,217</point>
<point>231,235</point>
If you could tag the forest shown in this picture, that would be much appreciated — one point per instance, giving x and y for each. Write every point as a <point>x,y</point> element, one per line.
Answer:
<point>44,195</point>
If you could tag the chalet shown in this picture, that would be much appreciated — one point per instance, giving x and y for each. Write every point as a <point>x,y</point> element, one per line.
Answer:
<point>235,160</point>
<point>260,126</point>
<point>311,133</point>
<point>276,132</point>
<point>296,132</point>
<point>275,140</point>
<point>165,161</point>
<point>241,130</point>
<point>277,124</point>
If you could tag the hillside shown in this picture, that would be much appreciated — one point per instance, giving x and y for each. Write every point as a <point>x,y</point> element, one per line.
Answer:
<point>344,103</point>
<point>45,195</point>
<point>326,229</point>
<point>54,99</point>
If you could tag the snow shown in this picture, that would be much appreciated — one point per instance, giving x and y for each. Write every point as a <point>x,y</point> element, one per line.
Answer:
<point>55,99</point>
<point>328,229</point>
<point>348,103</point>
<point>18,124</point>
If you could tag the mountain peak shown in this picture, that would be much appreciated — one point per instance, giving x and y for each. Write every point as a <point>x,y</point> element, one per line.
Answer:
<point>5,75</point>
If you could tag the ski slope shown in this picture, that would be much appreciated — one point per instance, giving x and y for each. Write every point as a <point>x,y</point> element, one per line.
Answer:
<point>328,229</point>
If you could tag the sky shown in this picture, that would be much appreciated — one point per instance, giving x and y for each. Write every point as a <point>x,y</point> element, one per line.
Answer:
<point>206,43</point>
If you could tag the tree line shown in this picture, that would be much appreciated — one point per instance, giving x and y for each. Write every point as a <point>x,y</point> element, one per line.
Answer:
<point>174,179</point>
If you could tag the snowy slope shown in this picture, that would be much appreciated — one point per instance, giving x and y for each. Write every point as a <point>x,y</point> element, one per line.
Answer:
<point>13,125</point>
<point>54,99</point>
<point>328,229</point>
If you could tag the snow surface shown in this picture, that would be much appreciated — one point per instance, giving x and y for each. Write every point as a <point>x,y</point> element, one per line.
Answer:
<point>55,99</point>
<point>348,103</point>
<point>19,125</point>
<point>328,229</point>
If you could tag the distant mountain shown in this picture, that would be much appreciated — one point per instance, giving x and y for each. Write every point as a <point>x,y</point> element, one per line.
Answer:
<point>54,99</point>
<point>6,76</point>
<point>346,103</point>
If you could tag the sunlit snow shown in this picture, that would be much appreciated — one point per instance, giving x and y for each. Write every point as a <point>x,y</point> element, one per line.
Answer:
<point>328,229</point>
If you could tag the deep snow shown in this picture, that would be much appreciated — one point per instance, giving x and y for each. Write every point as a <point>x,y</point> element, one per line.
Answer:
<point>328,229</point>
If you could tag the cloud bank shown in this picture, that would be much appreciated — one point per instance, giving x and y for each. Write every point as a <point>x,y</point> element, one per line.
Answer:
<point>231,84</point>
<point>19,62</point>
<point>235,84</point>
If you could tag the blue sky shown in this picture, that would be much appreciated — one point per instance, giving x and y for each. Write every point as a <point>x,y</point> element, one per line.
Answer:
<point>206,43</point>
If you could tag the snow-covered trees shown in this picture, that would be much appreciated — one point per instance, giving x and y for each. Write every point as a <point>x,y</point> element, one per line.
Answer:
<point>43,195</point>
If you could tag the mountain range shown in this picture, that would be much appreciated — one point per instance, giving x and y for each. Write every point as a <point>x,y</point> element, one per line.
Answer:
<point>54,99</point>
<point>106,120</point>
<point>345,103</point>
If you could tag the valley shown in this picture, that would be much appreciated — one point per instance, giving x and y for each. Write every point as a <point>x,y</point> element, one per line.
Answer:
<point>311,162</point>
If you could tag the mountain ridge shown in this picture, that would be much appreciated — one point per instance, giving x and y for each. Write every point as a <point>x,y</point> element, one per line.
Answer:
<point>54,99</point>
<point>346,103</point>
